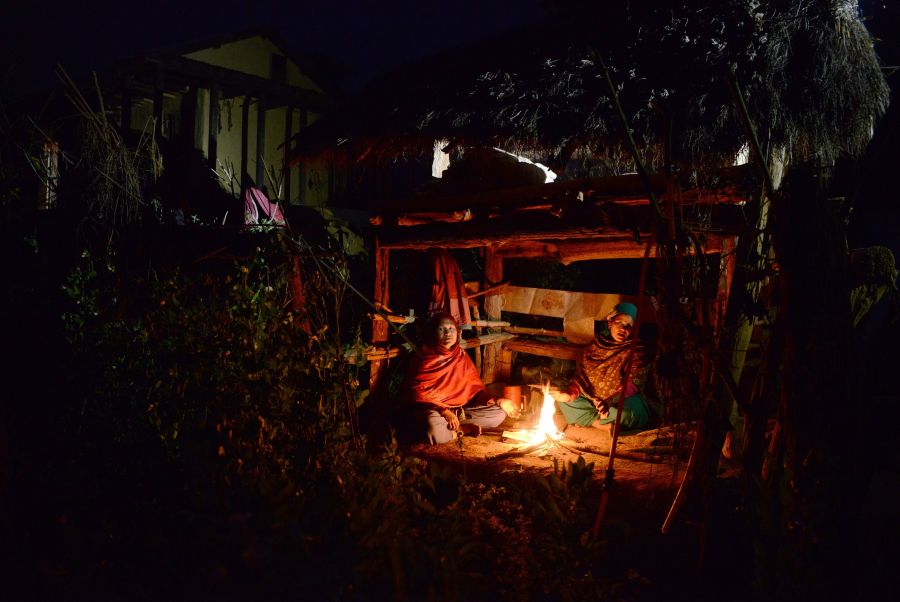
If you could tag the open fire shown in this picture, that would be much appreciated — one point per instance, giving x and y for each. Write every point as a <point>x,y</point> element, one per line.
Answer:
<point>544,430</point>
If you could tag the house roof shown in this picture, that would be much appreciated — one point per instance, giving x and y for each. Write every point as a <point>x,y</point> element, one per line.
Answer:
<point>810,74</point>
<point>590,218</point>
<point>309,65</point>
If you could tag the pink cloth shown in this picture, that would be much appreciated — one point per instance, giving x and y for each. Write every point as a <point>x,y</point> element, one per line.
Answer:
<point>254,200</point>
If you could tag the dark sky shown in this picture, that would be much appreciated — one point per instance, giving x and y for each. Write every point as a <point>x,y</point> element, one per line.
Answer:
<point>363,37</point>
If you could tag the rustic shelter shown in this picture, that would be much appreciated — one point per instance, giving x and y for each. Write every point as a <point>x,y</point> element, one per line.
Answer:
<point>644,114</point>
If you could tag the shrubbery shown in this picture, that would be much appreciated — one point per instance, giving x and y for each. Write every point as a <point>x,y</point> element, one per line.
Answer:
<point>240,425</point>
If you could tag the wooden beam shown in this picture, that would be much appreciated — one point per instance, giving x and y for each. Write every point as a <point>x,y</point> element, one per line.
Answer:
<point>261,148</point>
<point>288,136</point>
<point>490,323</point>
<point>378,355</point>
<point>562,351</point>
<point>611,223</point>
<point>188,116</point>
<point>487,339</point>
<point>727,263</point>
<point>381,298</point>
<point>731,181</point>
<point>504,365</point>
<point>302,170</point>
<point>494,290</point>
<point>212,142</point>
<point>540,332</point>
<point>430,217</point>
<point>394,319</point>
<point>245,135</point>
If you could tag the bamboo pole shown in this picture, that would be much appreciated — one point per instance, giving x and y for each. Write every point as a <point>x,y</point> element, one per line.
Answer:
<point>610,465</point>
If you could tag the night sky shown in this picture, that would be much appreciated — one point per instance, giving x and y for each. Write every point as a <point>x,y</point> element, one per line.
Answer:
<point>361,38</point>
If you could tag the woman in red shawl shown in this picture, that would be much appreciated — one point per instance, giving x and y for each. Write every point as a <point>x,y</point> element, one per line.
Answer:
<point>444,390</point>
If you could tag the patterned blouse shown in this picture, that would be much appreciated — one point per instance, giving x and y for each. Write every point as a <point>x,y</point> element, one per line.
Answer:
<point>601,368</point>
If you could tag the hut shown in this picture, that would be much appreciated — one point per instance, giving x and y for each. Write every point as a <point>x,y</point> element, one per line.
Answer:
<point>674,93</point>
<point>644,115</point>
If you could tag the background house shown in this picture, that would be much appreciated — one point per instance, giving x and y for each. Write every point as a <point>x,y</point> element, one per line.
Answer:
<point>235,100</point>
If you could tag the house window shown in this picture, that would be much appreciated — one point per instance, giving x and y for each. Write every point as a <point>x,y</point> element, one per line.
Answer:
<point>49,175</point>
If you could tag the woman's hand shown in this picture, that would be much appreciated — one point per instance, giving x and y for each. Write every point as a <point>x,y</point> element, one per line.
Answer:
<point>509,406</point>
<point>451,418</point>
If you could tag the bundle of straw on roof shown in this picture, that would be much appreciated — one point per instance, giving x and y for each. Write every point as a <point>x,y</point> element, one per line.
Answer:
<point>809,70</point>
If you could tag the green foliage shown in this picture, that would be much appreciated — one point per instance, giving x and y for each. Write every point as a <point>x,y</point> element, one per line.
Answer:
<point>225,374</point>
<point>260,466</point>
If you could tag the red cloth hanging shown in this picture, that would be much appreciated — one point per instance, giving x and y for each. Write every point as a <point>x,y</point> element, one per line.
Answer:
<point>448,291</point>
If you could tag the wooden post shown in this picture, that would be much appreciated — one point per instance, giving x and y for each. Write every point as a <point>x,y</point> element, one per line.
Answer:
<point>245,134</point>
<point>381,299</point>
<point>726,274</point>
<point>504,364</point>
<point>493,275</point>
<point>188,116</point>
<point>261,148</point>
<point>298,297</point>
<point>212,144</point>
<point>288,126</point>
<point>302,168</point>
<point>158,85</point>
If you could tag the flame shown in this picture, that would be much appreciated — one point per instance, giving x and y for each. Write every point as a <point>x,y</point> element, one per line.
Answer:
<point>546,428</point>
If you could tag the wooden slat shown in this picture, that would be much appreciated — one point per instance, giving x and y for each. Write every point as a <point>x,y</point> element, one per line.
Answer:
<point>622,187</point>
<point>562,351</point>
<point>383,354</point>
<point>613,227</point>
<point>540,332</point>
<point>379,354</point>
<point>487,339</point>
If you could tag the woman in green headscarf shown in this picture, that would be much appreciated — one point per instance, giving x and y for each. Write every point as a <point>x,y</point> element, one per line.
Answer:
<point>593,394</point>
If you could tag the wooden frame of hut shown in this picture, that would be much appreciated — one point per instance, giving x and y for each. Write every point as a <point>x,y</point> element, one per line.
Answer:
<point>675,88</point>
<point>576,220</point>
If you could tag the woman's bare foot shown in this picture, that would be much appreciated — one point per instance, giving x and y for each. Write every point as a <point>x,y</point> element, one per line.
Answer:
<point>560,421</point>
<point>469,429</point>
<point>606,428</point>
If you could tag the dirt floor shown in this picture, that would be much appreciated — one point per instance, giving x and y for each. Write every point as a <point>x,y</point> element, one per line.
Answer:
<point>649,468</point>
<point>649,464</point>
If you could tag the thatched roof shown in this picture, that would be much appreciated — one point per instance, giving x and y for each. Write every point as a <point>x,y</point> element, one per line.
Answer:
<point>809,71</point>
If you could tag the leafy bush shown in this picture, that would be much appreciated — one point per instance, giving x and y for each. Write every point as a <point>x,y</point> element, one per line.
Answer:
<point>245,412</point>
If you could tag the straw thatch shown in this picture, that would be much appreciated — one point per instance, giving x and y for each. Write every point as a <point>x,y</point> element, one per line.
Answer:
<point>808,69</point>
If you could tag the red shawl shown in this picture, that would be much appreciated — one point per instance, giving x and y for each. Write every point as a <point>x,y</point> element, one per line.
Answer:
<point>446,378</point>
